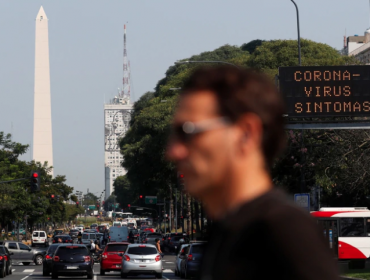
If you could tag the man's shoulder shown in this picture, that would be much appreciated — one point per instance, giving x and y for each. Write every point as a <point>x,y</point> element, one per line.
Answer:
<point>271,208</point>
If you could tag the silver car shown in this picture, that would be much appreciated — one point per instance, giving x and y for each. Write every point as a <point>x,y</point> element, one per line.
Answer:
<point>141,259</point>
<point>179,258</point>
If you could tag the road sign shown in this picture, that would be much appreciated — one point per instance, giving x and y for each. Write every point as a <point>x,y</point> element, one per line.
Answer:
<point>150,200</point>
<point>323,91</point>
<point>92,207</point>
<point>303,200</point>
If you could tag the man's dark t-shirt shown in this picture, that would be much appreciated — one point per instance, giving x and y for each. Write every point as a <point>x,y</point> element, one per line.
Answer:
<point>268,238</point>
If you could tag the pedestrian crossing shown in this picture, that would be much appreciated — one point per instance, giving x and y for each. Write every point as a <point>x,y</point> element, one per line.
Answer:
<point>23,270</point>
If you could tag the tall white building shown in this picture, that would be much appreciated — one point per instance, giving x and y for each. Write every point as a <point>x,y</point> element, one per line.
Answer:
<point>117,116</point>
<point>42,134</point>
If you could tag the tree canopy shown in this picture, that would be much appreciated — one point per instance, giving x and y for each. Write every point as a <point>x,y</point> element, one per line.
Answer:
<point>329,159</point>
<point>16,200</point>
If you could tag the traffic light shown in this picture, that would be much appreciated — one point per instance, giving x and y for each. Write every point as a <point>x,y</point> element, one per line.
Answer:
<point>52,198</point>
<point>180,180</point>
<point>77,203</point>
<point>128,205</point>
<point>140,196</point>
<point>141,200</point>
<point>35,181</point>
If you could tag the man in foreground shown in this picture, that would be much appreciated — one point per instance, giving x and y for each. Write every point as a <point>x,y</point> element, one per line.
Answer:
<point>227,131</point>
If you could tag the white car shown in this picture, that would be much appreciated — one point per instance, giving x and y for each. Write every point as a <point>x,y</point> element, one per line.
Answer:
<point>80,229</point>
<point>39,237</point>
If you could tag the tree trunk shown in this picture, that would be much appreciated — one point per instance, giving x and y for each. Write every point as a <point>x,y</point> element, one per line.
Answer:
<point>197,227</point>
<point>172,209</point>
<point>201,220</point>
<point>188,215</point>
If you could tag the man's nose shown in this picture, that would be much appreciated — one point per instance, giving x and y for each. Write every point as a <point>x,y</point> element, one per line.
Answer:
<point>176,151</point>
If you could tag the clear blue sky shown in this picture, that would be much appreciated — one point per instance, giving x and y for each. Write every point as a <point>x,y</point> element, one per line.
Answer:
<point>86,57</point>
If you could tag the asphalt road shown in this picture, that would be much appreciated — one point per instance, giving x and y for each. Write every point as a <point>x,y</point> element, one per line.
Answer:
<point>34,272</point>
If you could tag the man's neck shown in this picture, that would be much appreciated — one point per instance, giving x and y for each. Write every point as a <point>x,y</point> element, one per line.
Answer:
<point>237,191</point>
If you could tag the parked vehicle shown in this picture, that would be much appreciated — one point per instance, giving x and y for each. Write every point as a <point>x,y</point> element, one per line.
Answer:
<point>65,238</point>
<point>110,259</point>
<point>136,255</point>
<point>72,260</point>
<point>191,259</point>
<point>179,258</point>
<point>117,224</point>
<point>46,264</point>
<point>73,233</point>
<point>23,253</point>
<point>176,241</point>
<point>5,262</point>
<point>58,232</point>
<point>150,237</point>
<point>118,234</point>
<point>102,228</point>
<point>87,237</point>
<point>39,237</point>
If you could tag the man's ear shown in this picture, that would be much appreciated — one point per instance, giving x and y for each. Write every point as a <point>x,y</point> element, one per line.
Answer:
<point>252,128</point>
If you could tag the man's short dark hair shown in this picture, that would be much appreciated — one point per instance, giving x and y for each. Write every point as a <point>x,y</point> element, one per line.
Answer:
<point>240,91</point>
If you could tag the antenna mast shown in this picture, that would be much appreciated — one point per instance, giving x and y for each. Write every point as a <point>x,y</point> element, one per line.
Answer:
<point>126,81</point>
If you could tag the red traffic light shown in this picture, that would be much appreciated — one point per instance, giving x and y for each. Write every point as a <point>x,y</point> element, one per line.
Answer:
<point>77,202</point>
<point>97,205</point>
<point>141,196</point>
<point>35,175</point>
<point>52,196</point>
<point>181,176</point>
<point>129,205</point>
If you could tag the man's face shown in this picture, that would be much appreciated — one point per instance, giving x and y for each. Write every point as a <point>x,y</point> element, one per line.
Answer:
<point>205,158</point>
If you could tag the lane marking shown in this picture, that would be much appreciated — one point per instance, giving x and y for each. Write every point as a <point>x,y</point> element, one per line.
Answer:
<point>25,277</point>
<point>169,262</point>
<point>167,271</point>
<point>94,276</point>
<point>13,269</point>
<point>28,270</point>
<point>165,277</point>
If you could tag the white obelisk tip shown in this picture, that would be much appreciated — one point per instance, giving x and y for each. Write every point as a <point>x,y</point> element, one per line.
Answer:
<point>41,14</point>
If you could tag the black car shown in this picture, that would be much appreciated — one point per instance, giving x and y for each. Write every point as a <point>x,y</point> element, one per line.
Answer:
<point>72,260</point>
<point>65,239</point>
<point>46,264</point>
<point>5,262</point>
<point>73,233</point>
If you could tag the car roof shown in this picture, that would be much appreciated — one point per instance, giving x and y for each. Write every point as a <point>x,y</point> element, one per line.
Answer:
<point>70,244</point>
<point>119,243</point>
<point>141,245</point>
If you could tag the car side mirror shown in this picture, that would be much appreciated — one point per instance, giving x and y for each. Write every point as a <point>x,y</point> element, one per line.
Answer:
<point>11,253</point>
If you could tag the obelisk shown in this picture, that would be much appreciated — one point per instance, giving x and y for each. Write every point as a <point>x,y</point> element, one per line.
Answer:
<point>42,133</point>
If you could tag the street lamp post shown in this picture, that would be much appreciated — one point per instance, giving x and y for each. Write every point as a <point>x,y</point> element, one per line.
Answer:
<point>299,35</point>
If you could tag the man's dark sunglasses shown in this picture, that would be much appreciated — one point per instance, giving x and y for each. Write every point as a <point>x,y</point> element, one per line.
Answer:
<point>186,131</point>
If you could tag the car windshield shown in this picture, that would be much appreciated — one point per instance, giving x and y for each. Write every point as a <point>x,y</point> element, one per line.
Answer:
<point>177,238</point>
<point>52,249</point>
<point>154,236</point>
<point>35,234</point>
<point>85,236</point>
<point>142,251</point>
<point>197,249</point>
<point>116,247</point>
<point>72,251</point>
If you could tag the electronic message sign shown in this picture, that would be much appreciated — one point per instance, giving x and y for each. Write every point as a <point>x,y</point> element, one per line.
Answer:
<point>323,91</point>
